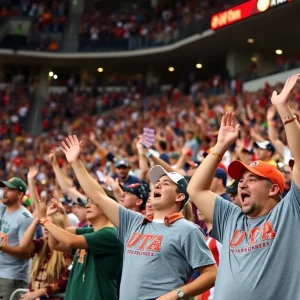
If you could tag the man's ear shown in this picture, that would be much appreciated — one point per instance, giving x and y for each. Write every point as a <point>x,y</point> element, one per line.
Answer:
<point>139,202</point>
<point>274,190</point>
<point>180,197</point>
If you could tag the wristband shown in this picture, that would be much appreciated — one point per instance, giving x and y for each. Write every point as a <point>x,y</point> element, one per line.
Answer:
<point>149,153</point>
<point>289,120</point>
<point>215,154</point>
<point>43,223</point>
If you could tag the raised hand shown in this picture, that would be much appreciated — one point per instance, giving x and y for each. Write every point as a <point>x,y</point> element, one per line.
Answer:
<point>140,148</point>
<point>33,171</point>
<point>41,209</point>
<point>229,130</point>
<point>52,157</point>
<point>92,137</point>
<point>55,200</point>
<point>71,148</point>
<point>283,97</point>
<point>52,209</point>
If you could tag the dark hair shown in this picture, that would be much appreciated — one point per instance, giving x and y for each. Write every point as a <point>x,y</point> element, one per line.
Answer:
<point>163,145</point>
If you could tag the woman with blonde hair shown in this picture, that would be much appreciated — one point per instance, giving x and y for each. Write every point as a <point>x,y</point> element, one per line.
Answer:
<point>49,269</point>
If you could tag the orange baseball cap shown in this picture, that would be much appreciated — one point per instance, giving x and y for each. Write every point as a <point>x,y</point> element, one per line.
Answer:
<point>259,168</point>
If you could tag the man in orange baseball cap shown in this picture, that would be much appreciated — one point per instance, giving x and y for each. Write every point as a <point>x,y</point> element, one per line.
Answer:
<point>250,195</point>
<point>259,240</point>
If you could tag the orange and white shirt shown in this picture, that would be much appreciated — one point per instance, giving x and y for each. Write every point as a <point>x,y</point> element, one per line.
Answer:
<point>215,248</point>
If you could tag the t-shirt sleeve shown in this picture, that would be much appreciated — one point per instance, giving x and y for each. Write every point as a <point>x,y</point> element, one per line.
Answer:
<point>293,197</point>
<point>223,212</point>
<point>126,219</point>
<point>80,231</point>
<point>24,222</point>
<point>196,251</point>
<point>103,241</point>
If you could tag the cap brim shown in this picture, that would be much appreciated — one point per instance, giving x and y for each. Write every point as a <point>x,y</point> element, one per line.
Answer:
<point>8,184</point>
<point>156,172</point>
<point>231,190</point>
<point>236,170</point>
<point>125,188</point>
<point>81,202</point>
<point>121,165</point>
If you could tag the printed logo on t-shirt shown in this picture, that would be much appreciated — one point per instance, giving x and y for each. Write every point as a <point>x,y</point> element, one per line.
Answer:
<point>81,254</point>
<point>144,244</point>
<point>256,238</point>
<point>4,226</point>
<point>3,239</point>
<point>4,229</point>
<point>26,215</point>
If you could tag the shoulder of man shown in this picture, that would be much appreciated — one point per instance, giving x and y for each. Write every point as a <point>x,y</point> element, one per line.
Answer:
<point>25,214</point>
<point>188,226</point>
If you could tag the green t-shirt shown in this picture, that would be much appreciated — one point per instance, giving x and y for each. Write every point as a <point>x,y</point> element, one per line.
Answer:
<point>95,270</point>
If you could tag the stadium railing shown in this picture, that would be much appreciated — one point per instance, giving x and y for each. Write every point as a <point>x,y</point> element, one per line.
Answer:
<point>16,295</point>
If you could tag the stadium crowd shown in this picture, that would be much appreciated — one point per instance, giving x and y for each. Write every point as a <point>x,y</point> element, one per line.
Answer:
<point>127,166</point>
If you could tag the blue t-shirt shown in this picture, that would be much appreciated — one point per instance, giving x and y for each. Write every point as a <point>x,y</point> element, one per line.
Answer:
<point>130,180</point>
<point>225,196</point>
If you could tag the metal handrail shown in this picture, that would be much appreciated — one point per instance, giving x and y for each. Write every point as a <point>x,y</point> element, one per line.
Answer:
<point>16,295</point>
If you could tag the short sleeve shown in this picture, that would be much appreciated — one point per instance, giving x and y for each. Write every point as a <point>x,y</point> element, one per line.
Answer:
<point>223,212</point>
<point>292,198</point>
<point>126,219</point>
<point>24,222</point>
<point>80,231</point>
<point>196,251</point>
<point>103,241</point>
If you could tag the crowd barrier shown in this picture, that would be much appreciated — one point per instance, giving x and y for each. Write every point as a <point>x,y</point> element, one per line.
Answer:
<point>16,295</point>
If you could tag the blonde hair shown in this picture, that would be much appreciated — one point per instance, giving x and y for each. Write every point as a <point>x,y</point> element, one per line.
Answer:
<point>187,211</point>
<point>56,261</point>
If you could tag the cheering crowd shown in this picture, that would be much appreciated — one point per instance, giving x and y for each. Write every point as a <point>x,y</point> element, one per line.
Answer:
<point>117,217</point>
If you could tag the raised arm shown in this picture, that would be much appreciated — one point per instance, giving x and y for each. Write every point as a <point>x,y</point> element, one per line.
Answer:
<point>97,144</point>
<point>64,182</point>
<point>272,131</point>
<point>26,241</point>
<point>290,122</point>
<point>64,237</point>
<point>92,189</point>
<point>199,186</point>
<point>143,162</point>
<point>33,171</point>
<point>56,206</point>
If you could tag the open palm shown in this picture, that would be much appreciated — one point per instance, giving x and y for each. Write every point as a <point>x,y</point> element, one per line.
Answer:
<point>71,148</point>
<point>283,97</point>
<point>33,171</point>
<point>229,130</point>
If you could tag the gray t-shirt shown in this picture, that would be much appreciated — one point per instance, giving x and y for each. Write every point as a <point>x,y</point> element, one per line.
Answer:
<point>12,228</point>
<point>158,258</point>
<point>260,257</point>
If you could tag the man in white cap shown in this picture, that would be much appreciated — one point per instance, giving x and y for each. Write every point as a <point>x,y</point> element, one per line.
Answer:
<point>161,251</point>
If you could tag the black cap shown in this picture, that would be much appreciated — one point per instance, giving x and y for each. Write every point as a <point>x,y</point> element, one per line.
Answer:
<point>138,189</point>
